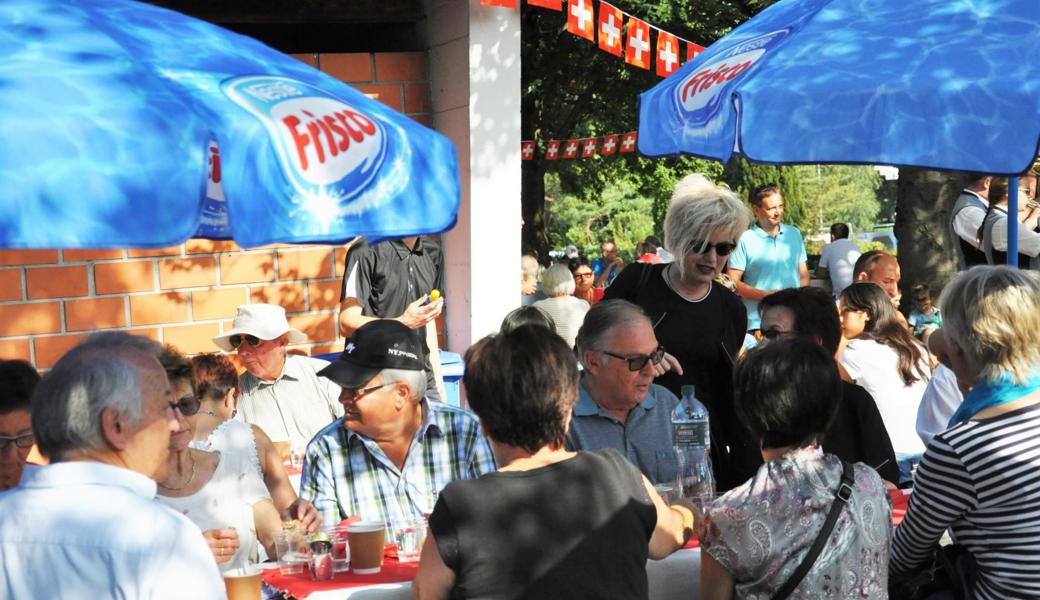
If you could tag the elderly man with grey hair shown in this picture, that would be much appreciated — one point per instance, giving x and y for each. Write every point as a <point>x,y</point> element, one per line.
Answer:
<point>88,525</point>
<point>619,405</point>
<point>393,450</point>
<point>566,310</point>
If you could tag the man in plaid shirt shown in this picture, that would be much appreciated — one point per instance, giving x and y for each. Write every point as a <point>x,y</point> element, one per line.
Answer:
<point>393,451</point>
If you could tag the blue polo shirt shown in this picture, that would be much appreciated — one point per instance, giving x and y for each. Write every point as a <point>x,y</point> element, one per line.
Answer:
<point>645,438</point>
<point>768,263</point>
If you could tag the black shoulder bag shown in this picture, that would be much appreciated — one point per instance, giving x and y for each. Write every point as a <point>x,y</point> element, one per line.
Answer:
<point>841,498</point>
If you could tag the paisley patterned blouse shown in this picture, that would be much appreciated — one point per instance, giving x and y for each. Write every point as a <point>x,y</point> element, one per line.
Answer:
<point>761,531</point>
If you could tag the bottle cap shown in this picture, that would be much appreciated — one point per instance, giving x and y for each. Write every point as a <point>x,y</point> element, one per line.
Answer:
<point>688,390</point>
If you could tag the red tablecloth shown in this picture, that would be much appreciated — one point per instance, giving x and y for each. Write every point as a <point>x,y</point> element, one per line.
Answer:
<point>301,586</point>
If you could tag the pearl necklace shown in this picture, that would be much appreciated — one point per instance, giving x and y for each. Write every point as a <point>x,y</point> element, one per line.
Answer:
<point>190,477</point>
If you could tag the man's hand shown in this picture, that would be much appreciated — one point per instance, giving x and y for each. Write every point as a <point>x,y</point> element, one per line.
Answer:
<point>223,543</point>
<point>305,512</point>
<point>418,313</point>
<point>668,363</point>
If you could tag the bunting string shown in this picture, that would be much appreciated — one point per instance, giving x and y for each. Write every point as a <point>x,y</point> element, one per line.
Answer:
<point>607,145</point>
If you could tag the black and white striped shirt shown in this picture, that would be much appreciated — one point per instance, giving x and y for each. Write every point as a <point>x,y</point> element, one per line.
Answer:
<point>982,479</point>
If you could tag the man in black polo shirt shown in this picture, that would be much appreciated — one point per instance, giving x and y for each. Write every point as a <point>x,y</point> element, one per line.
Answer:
<point>393,280</point>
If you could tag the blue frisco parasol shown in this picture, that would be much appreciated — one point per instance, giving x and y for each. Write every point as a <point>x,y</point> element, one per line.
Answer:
<point>128,125</point>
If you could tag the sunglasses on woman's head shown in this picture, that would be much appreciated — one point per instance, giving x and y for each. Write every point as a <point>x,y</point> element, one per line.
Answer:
<point>236,340</point>
<point>703,247</point>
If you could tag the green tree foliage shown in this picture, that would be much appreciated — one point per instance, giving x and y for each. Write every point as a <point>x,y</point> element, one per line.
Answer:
<point>839,194</point>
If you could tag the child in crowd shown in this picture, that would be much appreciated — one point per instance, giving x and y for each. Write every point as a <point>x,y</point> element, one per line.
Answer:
<point>925,317</point>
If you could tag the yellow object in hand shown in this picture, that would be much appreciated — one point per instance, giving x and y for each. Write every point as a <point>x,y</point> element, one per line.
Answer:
<point>434,295</point>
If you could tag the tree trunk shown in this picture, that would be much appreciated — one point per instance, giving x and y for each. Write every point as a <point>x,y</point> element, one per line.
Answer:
<point>926,252</point>
<point>535,234</point>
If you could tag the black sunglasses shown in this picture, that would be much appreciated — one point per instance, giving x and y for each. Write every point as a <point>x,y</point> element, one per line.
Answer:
<point>773,334</point>
<point>188,405</point>
<point>350,394</point>
<point>636,363</point>
<point>236,340</point>
<point>22,441</point>
<point>703,247</point>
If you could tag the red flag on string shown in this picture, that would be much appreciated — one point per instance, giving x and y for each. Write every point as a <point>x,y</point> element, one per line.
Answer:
<point>667,53</point>
<point>692,50</point>
<point>550,4</point>
<point>609,145</point>
<point>571,149</point>
<point>588,147</point>
<point>526,150</point>
<point>611,20</point>
<point>637,44</point>
<point>552,150</point>
<point>581,21</point>
<point>505,3</point>
<point>628,142</point>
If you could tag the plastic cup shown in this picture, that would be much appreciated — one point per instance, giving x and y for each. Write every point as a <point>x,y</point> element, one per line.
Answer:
<point>293,551</point>
<point>366,542</point>
<point>242,583</point>
<point>409,538</point>
<point>340,549</point>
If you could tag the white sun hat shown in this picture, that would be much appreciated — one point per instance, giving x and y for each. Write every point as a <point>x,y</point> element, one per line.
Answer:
<point>265,321</point>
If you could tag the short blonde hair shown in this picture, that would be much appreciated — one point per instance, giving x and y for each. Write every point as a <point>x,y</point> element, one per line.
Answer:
<point>698,209</point>
<point>993,314</point>
<point>557,281</point>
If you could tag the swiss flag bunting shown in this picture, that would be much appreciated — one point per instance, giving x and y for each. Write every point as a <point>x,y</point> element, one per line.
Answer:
<point>692,50</point>
<point>588,147</point>
<point>552,150</point>
<point>571,149</point>
<point>527,150</point>
<point>505,3</point>
<point>611,19</point>
<point>628,142</point>
<point>637,44</point>
<point>667,53</point>
<point>609,145</point>
<point>550,4</point>
<point>580,19</point>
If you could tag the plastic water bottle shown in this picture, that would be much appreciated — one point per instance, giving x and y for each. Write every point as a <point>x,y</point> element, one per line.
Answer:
<point>692,442</point>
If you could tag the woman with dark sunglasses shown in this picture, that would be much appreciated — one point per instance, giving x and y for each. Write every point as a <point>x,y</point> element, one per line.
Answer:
<point>697,319</point>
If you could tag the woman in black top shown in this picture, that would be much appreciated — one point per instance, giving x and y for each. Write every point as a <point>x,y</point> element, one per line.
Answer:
<point>550,523</point>
<point>698,321</point>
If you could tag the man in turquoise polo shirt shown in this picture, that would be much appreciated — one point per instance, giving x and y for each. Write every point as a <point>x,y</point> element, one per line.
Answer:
<point>770,256</point>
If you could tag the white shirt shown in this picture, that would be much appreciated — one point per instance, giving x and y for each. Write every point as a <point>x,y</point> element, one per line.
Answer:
<point>295,406</point>
<point>967,221</point>
<point>232,436</point>
<point>941,399</point>
<point>87,530</point>
<point>1028,240</point>
<point>567,313</point>
<point>875,367</point>
<point>839,258</point>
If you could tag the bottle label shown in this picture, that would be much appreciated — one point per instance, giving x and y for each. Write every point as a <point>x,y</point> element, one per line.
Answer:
<point>689,434</point>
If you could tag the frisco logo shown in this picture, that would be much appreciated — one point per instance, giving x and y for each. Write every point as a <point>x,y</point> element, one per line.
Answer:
<point>700,94</point>
<point>321,140</point>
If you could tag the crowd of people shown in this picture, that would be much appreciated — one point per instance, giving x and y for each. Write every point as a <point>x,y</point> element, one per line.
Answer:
<point>821,404</point>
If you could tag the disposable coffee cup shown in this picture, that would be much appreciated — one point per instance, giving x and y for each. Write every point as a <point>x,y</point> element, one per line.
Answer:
<point>242,583</point>
<point>366,540</point>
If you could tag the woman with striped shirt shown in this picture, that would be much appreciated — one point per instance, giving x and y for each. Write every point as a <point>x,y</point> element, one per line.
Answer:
<point>981,477</point>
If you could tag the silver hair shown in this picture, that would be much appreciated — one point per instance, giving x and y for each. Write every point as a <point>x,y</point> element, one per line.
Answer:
<point>558,281</point>
<point>415,380</point>
<point>698,209</point>
<point>601,319</point>
<point>102,371</point>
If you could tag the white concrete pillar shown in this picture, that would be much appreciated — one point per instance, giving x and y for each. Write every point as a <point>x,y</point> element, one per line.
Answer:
<point>475,91</point>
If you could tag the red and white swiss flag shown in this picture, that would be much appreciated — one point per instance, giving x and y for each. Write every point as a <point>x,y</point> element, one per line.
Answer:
<point>552,150</point>
<point>588,147</point>
<point>610,144</point>
<point>550,4</point>
<point>611,20</point>
<point>581,20</point>
<point>628,142</point>
<point>637,44</point>
<point>667,53</point>
<point>692,50</point>
<point>526,150</point>
<point>571,149</point>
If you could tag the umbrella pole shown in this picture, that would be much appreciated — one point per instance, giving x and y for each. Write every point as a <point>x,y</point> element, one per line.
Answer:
<point>1012,208</point>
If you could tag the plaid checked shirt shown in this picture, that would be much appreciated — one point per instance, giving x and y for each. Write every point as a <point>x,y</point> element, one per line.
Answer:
<point>346,473</point>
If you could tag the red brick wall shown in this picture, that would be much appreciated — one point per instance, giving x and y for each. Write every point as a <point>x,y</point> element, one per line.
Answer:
<point>185,295</point>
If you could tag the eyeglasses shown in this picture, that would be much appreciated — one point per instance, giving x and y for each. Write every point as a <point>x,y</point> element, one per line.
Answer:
<point>588,275</point>
<point>355,394</point>
<point>703,247</point>
<point>639,361</point>
<point>236,340</point>
<point>21,441</point>
<point>188,405</point>
<point>774,334</point>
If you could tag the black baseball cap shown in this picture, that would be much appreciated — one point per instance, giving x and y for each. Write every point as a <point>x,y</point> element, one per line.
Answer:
<point>376,345</point>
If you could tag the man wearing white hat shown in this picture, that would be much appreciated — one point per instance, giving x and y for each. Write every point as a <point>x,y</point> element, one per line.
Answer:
<point>281,393</point>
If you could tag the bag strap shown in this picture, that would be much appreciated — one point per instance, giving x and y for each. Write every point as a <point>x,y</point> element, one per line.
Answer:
<point>841,498</point>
